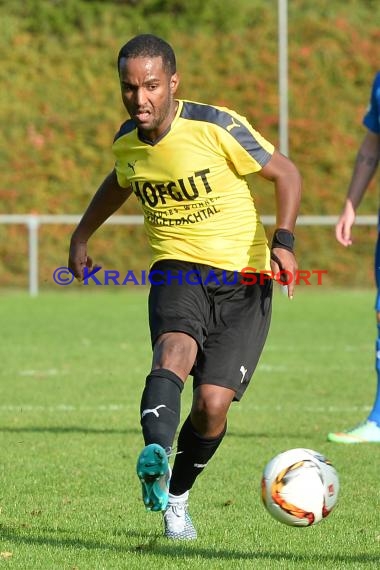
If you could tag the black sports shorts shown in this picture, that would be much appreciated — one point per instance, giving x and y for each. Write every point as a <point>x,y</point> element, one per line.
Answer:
<point>228,319</point>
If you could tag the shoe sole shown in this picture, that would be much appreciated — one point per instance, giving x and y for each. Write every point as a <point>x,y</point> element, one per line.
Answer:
<point>152,466</point>
<point>348,439</point>
<point>173,536</point>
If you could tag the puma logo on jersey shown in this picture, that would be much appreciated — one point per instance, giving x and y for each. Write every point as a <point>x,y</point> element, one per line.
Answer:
<point>131,165</point>
<point>232,125</point>
<point>152,411</point>
<point>243,373</point>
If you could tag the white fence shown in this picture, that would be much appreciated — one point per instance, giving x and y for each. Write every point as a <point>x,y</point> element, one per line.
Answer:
<point>34,221</point>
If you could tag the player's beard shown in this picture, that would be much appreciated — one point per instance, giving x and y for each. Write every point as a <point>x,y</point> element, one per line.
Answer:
<point>159,117</point>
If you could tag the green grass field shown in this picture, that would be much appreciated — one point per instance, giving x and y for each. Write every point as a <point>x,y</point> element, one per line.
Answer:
<point>72,369</point>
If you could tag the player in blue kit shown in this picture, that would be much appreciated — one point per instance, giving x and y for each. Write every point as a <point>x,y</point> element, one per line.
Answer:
<point>365,167</point>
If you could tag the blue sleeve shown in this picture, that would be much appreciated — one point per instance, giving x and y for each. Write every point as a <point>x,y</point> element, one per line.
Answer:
<point>372,117</point>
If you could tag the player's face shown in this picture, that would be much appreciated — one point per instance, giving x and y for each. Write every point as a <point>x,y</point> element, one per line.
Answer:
<point>147,91</point>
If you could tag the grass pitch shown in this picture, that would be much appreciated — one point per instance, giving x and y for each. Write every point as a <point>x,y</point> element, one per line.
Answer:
<point>72,370</point>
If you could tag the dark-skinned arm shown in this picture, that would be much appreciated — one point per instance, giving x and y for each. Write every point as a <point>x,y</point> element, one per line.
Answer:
<point>366,163</point>
<point>109,197</point>
<point>287,181</point>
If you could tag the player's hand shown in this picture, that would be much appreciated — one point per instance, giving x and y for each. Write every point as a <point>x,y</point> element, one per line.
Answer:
<point>78,259</point>
<point>344,225</point>
<point>284,266</point>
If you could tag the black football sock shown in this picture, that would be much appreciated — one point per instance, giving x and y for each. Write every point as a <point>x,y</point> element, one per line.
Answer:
<point>160,407</point>
<point>192,456</point>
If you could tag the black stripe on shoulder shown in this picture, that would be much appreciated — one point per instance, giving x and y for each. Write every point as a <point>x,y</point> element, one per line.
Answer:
<point>210,114</point>
<point>125,128</point>
<point>207,113</point>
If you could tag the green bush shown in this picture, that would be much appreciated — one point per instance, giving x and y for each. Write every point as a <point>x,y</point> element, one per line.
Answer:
<point>60,104</point>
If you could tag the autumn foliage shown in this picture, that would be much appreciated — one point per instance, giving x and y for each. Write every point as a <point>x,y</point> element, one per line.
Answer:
<point>60,107</point>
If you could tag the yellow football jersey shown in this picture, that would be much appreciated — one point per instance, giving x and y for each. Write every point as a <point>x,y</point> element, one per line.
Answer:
<point>191,184</point>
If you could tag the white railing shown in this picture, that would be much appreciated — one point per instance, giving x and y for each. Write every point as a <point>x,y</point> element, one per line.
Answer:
<point>34,221</point>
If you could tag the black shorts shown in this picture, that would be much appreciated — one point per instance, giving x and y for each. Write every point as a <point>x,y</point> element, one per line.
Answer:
<point>229,320</point>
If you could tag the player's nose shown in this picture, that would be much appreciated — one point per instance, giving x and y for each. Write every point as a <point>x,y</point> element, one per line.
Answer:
<point>140,97</point>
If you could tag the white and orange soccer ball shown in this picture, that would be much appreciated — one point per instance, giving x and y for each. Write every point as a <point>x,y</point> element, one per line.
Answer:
<point>299,487</point>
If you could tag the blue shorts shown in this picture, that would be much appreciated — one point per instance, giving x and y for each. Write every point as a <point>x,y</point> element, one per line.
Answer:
<point>377,267</point>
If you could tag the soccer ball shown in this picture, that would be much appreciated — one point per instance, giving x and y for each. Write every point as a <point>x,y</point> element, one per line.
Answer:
<point>299,487</point>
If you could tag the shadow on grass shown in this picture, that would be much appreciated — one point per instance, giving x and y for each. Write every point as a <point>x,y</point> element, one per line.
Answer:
<point>137,430</point>
<point>269,435</point>
<point>153,545</point>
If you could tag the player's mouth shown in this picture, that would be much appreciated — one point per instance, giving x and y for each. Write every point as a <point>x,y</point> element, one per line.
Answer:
<point>142,117</point>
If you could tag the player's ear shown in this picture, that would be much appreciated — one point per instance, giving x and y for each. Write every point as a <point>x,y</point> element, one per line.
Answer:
<point>174,82</point>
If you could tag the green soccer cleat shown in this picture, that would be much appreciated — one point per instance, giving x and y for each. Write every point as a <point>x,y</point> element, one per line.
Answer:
<point>367,432</point>
<point>177,521</point>
<point>154,474</point>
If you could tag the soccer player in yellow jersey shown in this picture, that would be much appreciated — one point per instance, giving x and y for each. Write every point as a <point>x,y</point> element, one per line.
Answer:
<point>186,164</point>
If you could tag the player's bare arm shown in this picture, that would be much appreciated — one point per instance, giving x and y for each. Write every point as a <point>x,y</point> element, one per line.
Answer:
<point>365,167</point>
<point>287,180</point>
<point>108,199</point>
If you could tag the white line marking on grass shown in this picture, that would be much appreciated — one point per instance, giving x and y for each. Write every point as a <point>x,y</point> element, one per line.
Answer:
<point>309,409</point>
<point>272,368</point>
<point>275,368</point>
<point>66,408</point>
<point>319,348</point>
<point>63,408</point>
<point>39,373</point>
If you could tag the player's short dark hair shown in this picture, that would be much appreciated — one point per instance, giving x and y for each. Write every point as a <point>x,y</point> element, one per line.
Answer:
<point>148,45</point>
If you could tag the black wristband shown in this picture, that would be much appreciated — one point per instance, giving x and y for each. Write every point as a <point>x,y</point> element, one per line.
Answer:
<point>284,239</point>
